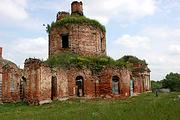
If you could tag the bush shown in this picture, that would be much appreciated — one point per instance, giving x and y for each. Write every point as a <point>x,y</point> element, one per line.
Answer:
<point>67,60</point>
<point>131,61</point>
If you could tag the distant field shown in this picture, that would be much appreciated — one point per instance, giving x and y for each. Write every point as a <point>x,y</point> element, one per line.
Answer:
<point>143,107</point>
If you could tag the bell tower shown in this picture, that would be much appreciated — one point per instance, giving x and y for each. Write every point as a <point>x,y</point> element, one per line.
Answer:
<point>76,33</point>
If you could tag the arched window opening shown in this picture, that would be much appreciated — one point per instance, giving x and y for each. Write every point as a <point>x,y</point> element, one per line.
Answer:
<point>79,86</point>
<point>115,85</point>
<point>131,87</point>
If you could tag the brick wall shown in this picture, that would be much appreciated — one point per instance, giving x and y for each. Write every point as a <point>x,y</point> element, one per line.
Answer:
<point>139,84</point>
<point>11,84</point>
<point>61,15</point>
<point>105,84</point>
<point>62,83</point>
<point>77,7</point>
<point>32,75</point>
<point>88,82</point>
<point>83,39</point>
<point>39,82</point>
<point>45,83</point>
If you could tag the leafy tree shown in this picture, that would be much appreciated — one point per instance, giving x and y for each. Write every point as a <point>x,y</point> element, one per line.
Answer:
<point>156,84</point>
<point>172,81</point>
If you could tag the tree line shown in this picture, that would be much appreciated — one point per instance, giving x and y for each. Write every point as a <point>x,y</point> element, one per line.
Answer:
<point>171,81</point>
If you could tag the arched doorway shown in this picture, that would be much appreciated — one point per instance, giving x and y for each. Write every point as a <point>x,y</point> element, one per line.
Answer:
<point>53,87</point>
<point>79,86</point>
<point>131,87</point>
<point>115,85</point>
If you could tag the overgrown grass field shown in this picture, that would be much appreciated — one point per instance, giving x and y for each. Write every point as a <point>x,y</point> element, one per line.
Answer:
<point>143,107</point>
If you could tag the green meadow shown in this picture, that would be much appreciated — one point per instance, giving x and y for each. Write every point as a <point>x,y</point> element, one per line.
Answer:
<point>143,107</point>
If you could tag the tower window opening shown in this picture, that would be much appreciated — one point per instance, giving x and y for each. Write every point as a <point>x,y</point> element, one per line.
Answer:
<point>101,43</point>
<point>65,41</point>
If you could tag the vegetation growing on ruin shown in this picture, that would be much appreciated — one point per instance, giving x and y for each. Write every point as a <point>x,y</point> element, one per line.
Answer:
<point>67,60</point>
<point>75,19</point>
<point>135,64</point>
<point>5,63</point>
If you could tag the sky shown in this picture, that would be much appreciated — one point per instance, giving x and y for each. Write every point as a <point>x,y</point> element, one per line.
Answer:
<point>148,29</point>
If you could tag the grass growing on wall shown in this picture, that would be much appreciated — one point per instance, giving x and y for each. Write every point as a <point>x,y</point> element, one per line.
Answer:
<point>67,60</point>
<point>133,62</point>
<point>143,107</point>
<point>74,19</point>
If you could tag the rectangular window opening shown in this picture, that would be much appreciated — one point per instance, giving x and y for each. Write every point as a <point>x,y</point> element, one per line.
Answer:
<point>65,41</point>
<point>101,43</point>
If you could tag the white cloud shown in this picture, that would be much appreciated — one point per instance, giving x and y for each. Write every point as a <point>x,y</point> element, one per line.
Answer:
<point>16,14</point>
<point>20,49</point>
<point>123,11</point>
<point>165,53</point>
<point>134,41</point>
<point>167,5</point>
<point>162,64</point>
<point>174,49</point>
<point>162,33</point>
<point>13,9</point>
<point>30,47</point>
<point>119,10</point>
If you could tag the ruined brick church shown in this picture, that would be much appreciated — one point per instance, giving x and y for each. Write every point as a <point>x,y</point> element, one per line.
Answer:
<point>39,83</point>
